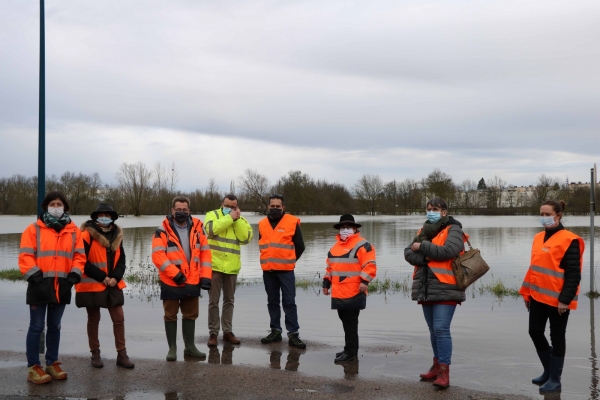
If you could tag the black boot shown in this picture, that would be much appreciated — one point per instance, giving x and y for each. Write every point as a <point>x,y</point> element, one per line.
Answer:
<point>553,383</point>
<point>545,360</point>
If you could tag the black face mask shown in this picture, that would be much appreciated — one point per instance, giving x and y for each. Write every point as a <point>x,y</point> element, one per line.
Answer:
<point>181,216</point>
<point>275,213</point>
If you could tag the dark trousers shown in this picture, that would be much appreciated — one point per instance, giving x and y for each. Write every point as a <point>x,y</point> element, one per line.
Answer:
<point>349,320</point>
<point>539,314</point>
<point>118,320</point>
<point>284,282</point>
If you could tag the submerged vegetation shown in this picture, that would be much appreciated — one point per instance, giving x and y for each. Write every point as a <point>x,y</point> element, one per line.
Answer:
<point>499,289</point>
<point>13,275</point>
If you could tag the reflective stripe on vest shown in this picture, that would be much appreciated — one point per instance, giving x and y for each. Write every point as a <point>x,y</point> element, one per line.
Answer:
<point>98,258</point>
<point>443,269</point>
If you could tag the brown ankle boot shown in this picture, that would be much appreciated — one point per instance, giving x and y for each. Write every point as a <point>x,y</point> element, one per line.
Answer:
<point>96,359</point>
<point>123,359</point>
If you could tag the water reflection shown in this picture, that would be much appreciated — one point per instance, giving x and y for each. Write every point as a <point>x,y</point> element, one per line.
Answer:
<point>226,358</point>
<point>292,362</point>
<point>594,394</point>
<point>350,369</point>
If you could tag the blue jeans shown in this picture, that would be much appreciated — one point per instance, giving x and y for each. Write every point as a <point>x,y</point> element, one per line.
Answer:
<point>286,283</point>
<point>37,314</point>
<point>439,318</point>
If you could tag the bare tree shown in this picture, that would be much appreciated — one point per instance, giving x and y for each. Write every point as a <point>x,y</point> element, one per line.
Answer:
<point>495,186</point>
<point>136,184</point>
<point>368,190</point>
<point>255,189</point>
<point>440,184</point>
<point>468,191</point>
<point>544,189</point>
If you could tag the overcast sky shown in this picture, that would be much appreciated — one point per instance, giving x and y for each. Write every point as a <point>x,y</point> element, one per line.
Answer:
<point>335,89</point>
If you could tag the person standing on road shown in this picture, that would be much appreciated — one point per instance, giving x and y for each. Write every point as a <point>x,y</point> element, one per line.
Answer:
<point>551,289</point>
<point>351,265</point>
<point>432,251</point>
<point>226,230</point>
<point>181,253</point>
<point>51,259</point>
<point>281,245</point>
<point>102,282</point>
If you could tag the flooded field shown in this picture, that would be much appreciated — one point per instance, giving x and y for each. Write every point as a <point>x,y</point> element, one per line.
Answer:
<point>492,350</point>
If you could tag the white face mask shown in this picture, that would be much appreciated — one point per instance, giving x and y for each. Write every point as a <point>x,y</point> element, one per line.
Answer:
<point>56,212</point>
<point>345,232</point>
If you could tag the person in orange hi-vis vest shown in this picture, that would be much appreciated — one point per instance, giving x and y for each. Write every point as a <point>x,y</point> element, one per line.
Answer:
<point>432,251</point>
<point>181,252</point>
<point>551,289</point>
<point>281,245</point>
<point>51,259</point>
<point>351,266</point>
<point>102,282</point>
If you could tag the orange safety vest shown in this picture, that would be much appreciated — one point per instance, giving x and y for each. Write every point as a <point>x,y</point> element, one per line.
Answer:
<point>545,278</point>
<point>347,263</point>
<point>56,254</point>
<point>443,269</point>
<point>277,251</point>
<point>98,257</point>
<point>168,255</point>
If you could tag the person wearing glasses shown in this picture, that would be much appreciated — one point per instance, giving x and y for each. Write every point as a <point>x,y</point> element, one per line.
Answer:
<point>281,245</point>
<point>182,255</point>
<point>226,230</point>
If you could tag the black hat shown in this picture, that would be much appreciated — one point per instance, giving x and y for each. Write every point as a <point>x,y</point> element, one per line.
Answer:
<point>346,219</point>
<point>105,208</point>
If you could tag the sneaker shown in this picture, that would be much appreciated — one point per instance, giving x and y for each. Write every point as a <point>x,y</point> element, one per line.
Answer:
<point>274,336</point>
<point>37,375</point>
<point>295,341</point>
<point>55,371</point>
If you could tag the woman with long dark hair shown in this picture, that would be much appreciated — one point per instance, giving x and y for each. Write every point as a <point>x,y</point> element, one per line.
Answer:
<point>550,290</point>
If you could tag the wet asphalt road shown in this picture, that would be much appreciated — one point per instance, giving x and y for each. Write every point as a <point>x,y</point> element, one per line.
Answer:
<point>193,379</point>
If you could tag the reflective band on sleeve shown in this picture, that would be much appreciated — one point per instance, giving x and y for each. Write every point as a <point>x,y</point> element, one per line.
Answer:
<point>366,276</point>
<point>158,248</point>
<point>224,240</point>
<point>206,264</point>
<point>27,250</point>
<point>282,246</point>
<point>76,270</point>
<point>442,271</point>
<point>172,249</point>
<point>205,248</point>
<point>73,241</point>
<point>223,249</point>
<point>31,271</point>
<point>345,273</point>
<point>80,251</point>
<point>546,271</point>
<point>209,225</point>
<point>99,264</point>
<point>370,261</point>
<point>38,233</point>
<point>164,266</point>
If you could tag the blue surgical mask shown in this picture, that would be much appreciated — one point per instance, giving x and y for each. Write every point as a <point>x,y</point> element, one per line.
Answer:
<point>547,222</point>
<point>346,232</point>
<point>433,216</point>
<point>104,220</point>
<point>226,210</point>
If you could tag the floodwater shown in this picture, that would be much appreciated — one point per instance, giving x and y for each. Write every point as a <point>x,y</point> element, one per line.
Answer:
<point>492,350</point>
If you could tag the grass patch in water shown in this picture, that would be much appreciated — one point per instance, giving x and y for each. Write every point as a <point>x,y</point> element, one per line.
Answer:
<point>592,294</point>
<point>498,289</point>
<point>13,275</point>
<point>389,286</point>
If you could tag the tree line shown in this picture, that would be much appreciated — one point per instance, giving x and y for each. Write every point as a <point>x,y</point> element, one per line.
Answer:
<point>144,190</point>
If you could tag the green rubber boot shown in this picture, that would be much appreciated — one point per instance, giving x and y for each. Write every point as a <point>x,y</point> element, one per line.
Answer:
<point>171,330</point>
<point>188,328</point>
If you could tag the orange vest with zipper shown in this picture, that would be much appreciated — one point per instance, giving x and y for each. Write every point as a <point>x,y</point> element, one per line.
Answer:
<point>277,251</point>
<point>98,257</point>
<point>168,255</point>
<point>443,269</point>
<point>545,278</point>
<point>56,254</point>
<point>347,264</point>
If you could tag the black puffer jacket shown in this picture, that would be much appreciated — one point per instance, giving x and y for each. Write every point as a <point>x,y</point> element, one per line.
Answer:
<point>571,264</point>
<point>426,286</point>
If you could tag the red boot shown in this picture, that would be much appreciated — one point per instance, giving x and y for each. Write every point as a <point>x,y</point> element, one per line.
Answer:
<point>443,378</point>
<point>433,371</point>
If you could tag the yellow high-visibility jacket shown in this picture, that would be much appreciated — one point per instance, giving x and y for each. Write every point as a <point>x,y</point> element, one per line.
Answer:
<point>225,237</point>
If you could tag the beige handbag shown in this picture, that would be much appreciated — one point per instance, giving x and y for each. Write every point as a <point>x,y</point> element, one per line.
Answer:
<point>468,267</point>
